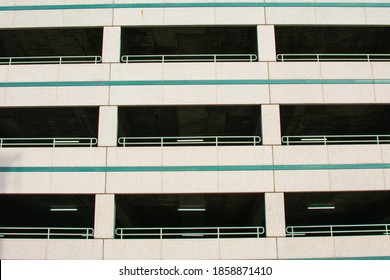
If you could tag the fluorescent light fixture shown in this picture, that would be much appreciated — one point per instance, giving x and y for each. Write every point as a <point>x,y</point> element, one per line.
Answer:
<point>190,140</point>
<point>191,209</point>
<point>192,234</point>
<point>63,209</point>
<point>314,139</point>
<point>321,207</point>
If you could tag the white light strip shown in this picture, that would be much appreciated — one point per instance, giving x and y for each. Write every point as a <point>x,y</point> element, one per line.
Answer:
<point>192,234</point>
<point>321,207</point>
<point>190,140</point>
<point>67,141</point>
<point>191,209</point>
<point>314,139</point>
<point>63,209</point>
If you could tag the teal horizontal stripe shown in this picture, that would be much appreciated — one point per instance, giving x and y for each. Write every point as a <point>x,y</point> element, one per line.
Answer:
<point>192,5</point>
<point>196,82</point>
<point>196,168</point>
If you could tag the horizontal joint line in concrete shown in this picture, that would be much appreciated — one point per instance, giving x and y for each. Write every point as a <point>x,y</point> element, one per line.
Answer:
<point>196,168</point>
<point>192,5</point>
<point>195,82</point>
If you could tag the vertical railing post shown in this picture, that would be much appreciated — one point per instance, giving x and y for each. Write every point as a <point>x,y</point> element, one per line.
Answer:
<point>218,233</point>
<point>377,139</point>
<point>1,142</point>
<point>54,142</point>
<point>162,58</point>
<point>48,233</point>
<point>10,61</point>
<point>161,233</point>
<point>318,57</point>
<point>331,231</point>
<point>258,232</point>
<point>387,229</point>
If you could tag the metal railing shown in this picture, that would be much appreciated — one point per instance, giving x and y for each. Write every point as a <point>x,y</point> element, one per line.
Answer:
<point>190,140</point>
<point>190,58</point>
<point>46,232</point>
<point>47,142</point>
<point>190,232</point>
<point>50,59</point>
<point>337,230</point>
<point>335,139</point>
<point>332,57</point>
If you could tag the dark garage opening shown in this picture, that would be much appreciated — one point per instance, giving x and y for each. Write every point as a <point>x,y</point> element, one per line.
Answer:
<point>190,215</point>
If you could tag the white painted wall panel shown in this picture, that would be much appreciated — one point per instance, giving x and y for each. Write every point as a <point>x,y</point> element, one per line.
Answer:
<point>190,249</point>
<point>246,249</point>
<point>132,249</point>
<point>308,247</point>
<point>134,182</point>
<point>74,249</point>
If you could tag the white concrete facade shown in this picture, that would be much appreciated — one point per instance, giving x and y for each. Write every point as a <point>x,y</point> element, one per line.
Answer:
<point>266,179</point>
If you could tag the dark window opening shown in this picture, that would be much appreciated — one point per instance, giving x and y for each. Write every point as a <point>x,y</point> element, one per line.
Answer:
<point>49,127</point>
<point>47,216</point>
<point>335,124</point>
<point>189,44</point>
<point>337,213</point>
<point>51,45</point>
<point>174,216</point>
<point>332,43</point>
<point>189,125</point>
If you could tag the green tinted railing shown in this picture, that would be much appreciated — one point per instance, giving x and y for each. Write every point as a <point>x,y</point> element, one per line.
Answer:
<point>337,230</point>
<point>50,60</point>
<point>335,139</point>
<point>190,140</point>
<point>189,232</point>
<point>46,232</point>
<point>47,142</point>
<point>332,57</point>
<point>190,58</point>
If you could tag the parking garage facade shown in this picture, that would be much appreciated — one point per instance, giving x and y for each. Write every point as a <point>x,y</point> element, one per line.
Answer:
<point>243,131</point>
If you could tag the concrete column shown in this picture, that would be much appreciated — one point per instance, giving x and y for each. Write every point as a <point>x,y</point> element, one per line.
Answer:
<point>270,122</point>
<point>275,218</point>
<point>266,42</point>
<point>111,44</point>
<point>104,216</point>
<point>108,126</point>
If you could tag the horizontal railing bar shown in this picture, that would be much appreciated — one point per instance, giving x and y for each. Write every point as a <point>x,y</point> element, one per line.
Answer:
<point>337,229</point>
<point>189,58</point>
<point>353,225</point>
<point>332,57</point>
<point>47,232</point>
<point>196,231</point>
<point>335,139</point>
<point>50,59</point>
<point>185,140</point>
<point>52,142</point>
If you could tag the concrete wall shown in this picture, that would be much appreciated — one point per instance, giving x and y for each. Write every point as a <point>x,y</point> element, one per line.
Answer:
<point>273,183</point>
<point>263,248</point>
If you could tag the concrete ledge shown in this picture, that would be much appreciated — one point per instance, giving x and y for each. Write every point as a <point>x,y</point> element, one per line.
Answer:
<point>26,249</point>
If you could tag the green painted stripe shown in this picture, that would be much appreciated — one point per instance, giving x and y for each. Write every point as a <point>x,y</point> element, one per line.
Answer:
<point>196,82</point>
<point>193,5</point>
<point>196,168</point>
